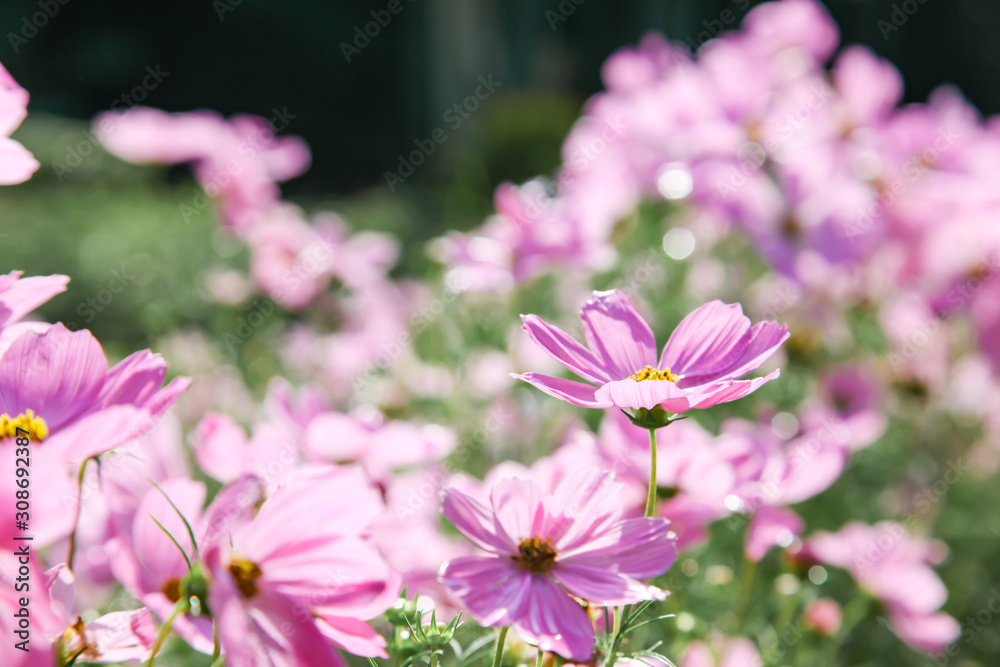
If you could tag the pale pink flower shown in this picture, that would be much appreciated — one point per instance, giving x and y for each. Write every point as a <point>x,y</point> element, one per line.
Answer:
<point>893,567</point>
<point>711,347</point>
<point>298,579</point>
<point>735,652</point>
<point>545,551</point>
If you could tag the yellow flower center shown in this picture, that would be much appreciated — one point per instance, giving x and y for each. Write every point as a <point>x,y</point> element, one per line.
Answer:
<point>35,427</point>
<point>537,555</point>
<point>650,373</point>
<point>246,575</point>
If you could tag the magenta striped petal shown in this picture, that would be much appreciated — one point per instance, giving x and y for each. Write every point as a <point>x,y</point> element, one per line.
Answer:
<point>617,333</point>
<point>553,621</point>
<point>570,391</point>
<point>640,548</point>
<point>476,522</point>
<point>58,374</point>
<point>705,337</point>
<point>604,588</point>
<point>731,390</point>
<point>494,590</point>
<point>564,349</point>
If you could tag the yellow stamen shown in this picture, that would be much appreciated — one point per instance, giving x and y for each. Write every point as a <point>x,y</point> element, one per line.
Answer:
<point>246,575</point>
<point>26,421</point>
<point>650,373</point>
<point>537,555</point>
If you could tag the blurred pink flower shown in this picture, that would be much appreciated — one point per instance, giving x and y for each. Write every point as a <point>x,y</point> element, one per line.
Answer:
<point>238,161</point>
<point>546,550</point>
<point>16,164</point>
<point>737,652</point>
<point>893,567</point>
<point>710,348</point>
<point>823,616</point>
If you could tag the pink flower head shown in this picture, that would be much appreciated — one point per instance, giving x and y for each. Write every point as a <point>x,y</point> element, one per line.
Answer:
<point>548,552</point>
<point>893,567</point>
<point>16,164</point>
<point>298,579</point>
<point>711,347</point>
<point>55,386</point>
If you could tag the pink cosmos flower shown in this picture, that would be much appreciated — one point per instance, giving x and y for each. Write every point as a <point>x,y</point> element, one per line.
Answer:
<point>711,347</point>
<point>16,164</point>
<point>56,385</point>
<point>293,582</point>
<point>548,552</point>
<point>893,567</point>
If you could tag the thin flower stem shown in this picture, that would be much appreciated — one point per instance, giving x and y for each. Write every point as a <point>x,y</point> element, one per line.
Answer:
<point>616,637</point>
<point>216,648</point>
<point>749,569</point>
<point>164,631</point>
<point>651,498</point>
<point>500,640</point>
<point>538,660</point>
<point>76,521</point>
<point>434,658</point>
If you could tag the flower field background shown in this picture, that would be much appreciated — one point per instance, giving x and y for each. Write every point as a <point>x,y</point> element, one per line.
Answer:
<point>339,406</point>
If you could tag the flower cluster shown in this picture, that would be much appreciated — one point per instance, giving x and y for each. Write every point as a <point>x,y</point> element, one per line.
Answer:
<point>397,470</point>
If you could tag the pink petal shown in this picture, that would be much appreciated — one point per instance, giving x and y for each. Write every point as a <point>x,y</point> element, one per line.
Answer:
<point>553,621</point>
<point>232,508</point>
<point>641,548</point>
<point>770,527</point>
<point>602,587</point>
<point>629,393</point>
<point>122,636</point>
<point>517,507</point>
<point>570,391</point>
<point>302,507</point>
<point>731,390</point>
<point>494,590</point>
<point>565,350</point>
<point>134,379</point>
<point>353,636</point>
<point>18,297</point>
<point>57,374</point>
<point>617,333</point>
<point>930,632</point>
<point>99,432</point>
<point>16,163</point>
<point>219,447</point>
<point>705,338</point>
<point>476,523</point>
<point>340,576</point>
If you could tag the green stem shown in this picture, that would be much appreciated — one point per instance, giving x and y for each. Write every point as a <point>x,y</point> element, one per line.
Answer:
<point>216,648</point>
<point>749,569</point>
<point>162,635</point>
<point>651,498</point>
<point>538,660</point>
<point>500,640</point>
<point>616,637</point>
<point>76,521</point>
<point>434,657</point>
